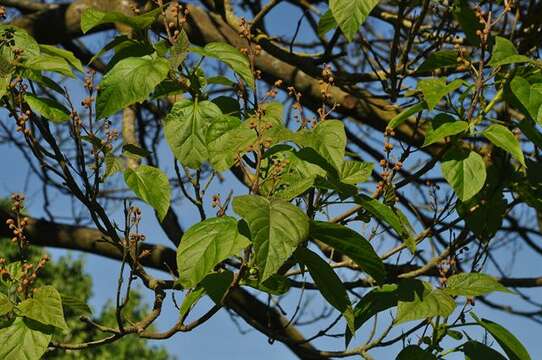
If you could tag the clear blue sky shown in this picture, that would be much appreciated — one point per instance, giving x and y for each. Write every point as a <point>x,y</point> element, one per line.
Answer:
<point>220,337</point>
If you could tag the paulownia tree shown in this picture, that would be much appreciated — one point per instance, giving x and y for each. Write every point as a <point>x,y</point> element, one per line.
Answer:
<point>387,152</point>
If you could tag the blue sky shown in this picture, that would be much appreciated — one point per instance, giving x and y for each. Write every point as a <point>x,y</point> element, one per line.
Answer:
<point>220,337</point>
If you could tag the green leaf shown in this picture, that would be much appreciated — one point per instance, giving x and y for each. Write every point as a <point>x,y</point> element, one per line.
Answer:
<point>75,304</point>
<point>205,245</point>
<point>472,284</point>
<point>354,172</point>
<point>465,171</point>
<point>49,63</point>
<point>292,186</point>
<point>130,48</point>
<point>500,136</point>
<point>43,81</point>
<point>90,18</point>
<point>227,138</point>
<point>509,343</point>
<point>405,114</point>
<point>131,80</point>
<point>486,218</point>
<point>113,44</point>
<point>185,129</point>
<point>48,108</point>
<point>328,139</point>
<point>350,14</point>
<point>271,114</point>
<point>529,97</point>
<point>329,284</point>
<point>504,53</point>
<point>229,56</point>
<point>390,216</point>
<point>134,151</point>
<point>5,305</point>
<point>275,285</point>
<point>190,299</point>
<point>22,39</point>
<point>438,60</point>
<point>475,350</point>
<point>424,304</point>
<point>151,185</point>
<point>277,228</point>
<point>228,105</point>
<point>414,352</point>
<point>443,126</point>
<point>113,165</point>
<point>45,306</point>
<point>468,21</point>
<point>351,244</point>
<point>65,54</point>
<point>217,284</point>
<point>436,88</point>
<point>377,300</point>
<point>24,339</point>
<point>326,23</point>
<point>179,50</point>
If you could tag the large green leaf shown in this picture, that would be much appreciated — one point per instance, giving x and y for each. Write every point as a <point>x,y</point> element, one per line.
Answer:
<point>5,305</point>
<point>414,352</point>
<point>131,80</point>
<point>226,138</point>
<point>90,18</point>
<point>435,89</point>
<point>185,129</point>
<point>63,53</point>
<point>444,125</point>
<point>390,216</point>
<point>472,284</point>
<point>351,244</point>
<point>529,97</point>
<point>350,14</point>
<point>465,171</point>
<point>48,108</point>
<point>504,53</point>
<point>377,300</point>
<point>423,304</point>
<point>505,139</point>
<point>151,185</point>
<point>329,284</point>
<point>439,59</point>
<point>329,140</point>
<point>229,56</point>
<point>50,63</point>
<point>45,306</point>
<point>205,245</point>
<point>475,350</point>
<point>509,343</point>
<point>277,228</point>
<point>354,172</point>
<point>24,339</point>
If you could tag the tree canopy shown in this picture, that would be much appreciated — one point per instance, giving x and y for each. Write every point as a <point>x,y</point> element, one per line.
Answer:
<point>379,156</point>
